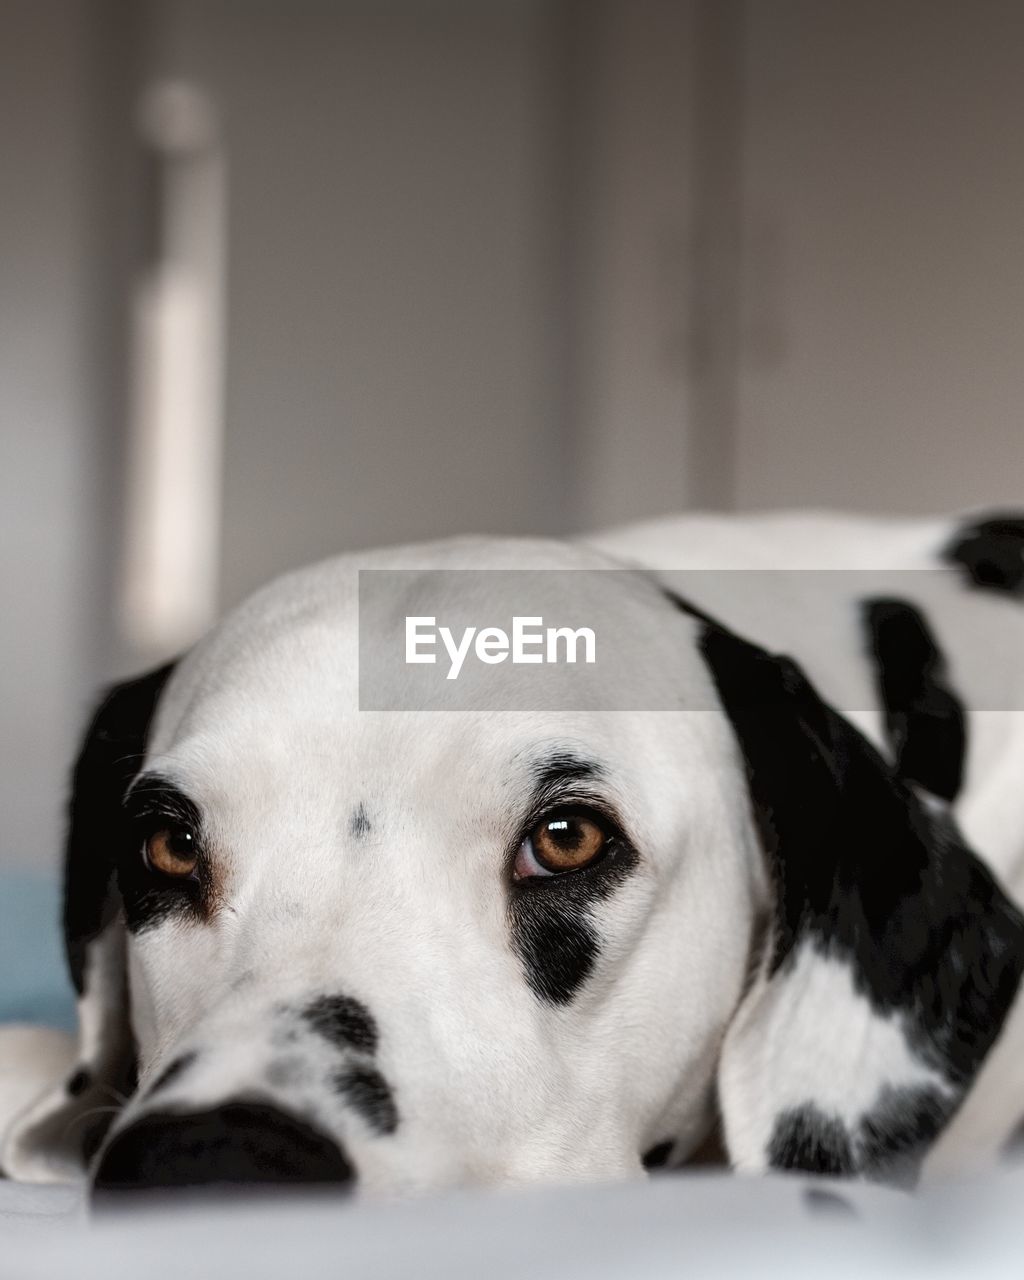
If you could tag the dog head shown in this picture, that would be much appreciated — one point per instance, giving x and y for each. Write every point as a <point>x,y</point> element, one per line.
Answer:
<point>413,949</point>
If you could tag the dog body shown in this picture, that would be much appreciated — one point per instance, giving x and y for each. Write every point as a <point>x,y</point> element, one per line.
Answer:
<point>799,583</point>
<point>423,947</point>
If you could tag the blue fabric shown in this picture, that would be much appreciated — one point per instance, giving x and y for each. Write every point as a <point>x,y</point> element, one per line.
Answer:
<point>34,985</point>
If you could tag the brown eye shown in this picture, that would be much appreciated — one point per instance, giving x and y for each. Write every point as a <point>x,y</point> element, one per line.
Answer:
<point>172,851</point>
<point>557,844</point>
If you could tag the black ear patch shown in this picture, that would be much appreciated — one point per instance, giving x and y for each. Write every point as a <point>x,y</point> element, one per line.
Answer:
<point>925,719</point>
<point>991,552</point>
<point>864,875</point>
<point>111,755</point>
<point>860,864</point>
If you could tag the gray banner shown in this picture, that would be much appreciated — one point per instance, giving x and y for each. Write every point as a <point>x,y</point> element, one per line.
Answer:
<point>617,640</point>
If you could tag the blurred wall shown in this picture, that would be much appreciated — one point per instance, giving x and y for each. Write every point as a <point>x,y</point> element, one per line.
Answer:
<point>57,461</point>
<point>460,258</point>
<point>393,274</point>
<point>634,117</point>
<point>502,265</point>
<point>883,269</point>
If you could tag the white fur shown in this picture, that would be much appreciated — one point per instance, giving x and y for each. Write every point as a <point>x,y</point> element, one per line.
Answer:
<point>810,1035</point>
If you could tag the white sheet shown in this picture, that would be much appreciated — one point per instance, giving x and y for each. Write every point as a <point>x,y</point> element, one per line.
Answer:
<point>682,1226</point>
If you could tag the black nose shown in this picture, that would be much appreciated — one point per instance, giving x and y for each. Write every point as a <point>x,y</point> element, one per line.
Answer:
<point>234,1145</point>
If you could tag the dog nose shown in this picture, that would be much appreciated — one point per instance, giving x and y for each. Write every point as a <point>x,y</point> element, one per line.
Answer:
<point>237,1144</point>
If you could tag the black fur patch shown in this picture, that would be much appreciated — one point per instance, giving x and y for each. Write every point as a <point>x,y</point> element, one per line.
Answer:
<point>552,932</point>
<point>233,1145</point>
<point>659,1155</point>
<point>925,719</point>
<point>808,1139</point>
<point>174,1069</point>
<point>902,1124</point>
<point>550,917</point>
<point>991,552</point>
<point>99,831</point>
<point>343,1021</point>
<point>861,869</point>
<point>359,824</point>
<point>556,943</point>
<point>366,1090</point>
<point>78,1083</point>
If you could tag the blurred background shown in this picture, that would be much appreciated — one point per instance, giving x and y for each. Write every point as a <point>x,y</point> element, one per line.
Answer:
<point>280,278</point>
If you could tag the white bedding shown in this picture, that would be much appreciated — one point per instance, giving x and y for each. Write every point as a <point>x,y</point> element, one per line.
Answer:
<point>674,1226</point>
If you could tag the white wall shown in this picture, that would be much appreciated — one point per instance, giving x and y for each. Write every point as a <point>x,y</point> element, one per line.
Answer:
<point>393,284</point>
<point>54,344</point>
<point>632,249</point>
<point>883,279</point>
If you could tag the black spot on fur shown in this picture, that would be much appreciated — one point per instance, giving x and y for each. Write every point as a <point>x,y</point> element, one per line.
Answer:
<point>558,948</point>
<point>366,1090</point>
<point>359,824</point>
<point>343,1021</point>
<point>174,1069</point>
<point>78,1083</point>
<point>896,1133</point>
<point>552,932</point>
<point>99,832</point>
<point>658,1156</point>
<point>925,719</point>
<point>862,870</point>
<point>238,1144</point>
<point>807,1139</point>
<point>991,552</point>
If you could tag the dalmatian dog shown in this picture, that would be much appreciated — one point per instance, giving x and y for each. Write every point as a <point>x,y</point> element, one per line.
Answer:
<point>753,882</point>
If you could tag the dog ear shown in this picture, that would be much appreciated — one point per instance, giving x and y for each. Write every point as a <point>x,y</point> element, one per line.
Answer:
<point>892,955</point>
<point>54,1139</point>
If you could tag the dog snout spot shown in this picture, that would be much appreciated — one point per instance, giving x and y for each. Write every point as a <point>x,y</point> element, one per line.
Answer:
<point>343,1022</point>
<point>236,1145</point>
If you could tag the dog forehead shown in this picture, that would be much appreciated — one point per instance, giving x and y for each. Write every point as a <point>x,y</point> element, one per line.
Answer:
<point>261,723</point>
<point>287,660</point>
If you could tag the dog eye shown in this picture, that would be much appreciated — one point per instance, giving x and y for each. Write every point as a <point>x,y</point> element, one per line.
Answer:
<point>172,851</point>
<point>559,843</point>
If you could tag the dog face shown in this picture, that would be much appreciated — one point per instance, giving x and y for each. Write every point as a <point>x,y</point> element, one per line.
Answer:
<point>407,950</point>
